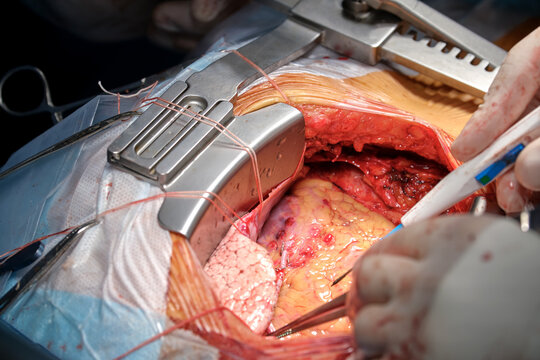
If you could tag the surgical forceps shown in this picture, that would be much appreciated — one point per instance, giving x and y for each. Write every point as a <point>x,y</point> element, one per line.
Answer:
<point>46,105</point>
<point>329,311</point>
<point>45,263</point>
<point>58,111</point>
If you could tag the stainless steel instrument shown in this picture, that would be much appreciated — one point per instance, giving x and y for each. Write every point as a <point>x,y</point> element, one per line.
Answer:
<point>83,134</point>
<point>405,32</point>
<point>44,264</point>
<point>178,153</point>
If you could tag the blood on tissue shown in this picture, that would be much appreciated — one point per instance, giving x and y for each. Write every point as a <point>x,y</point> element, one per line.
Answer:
<point>315,231</point>
<point>272,245</point>
<point>280,275</point>
<point>302,256</point>
<point>290,221</point>
<point>309,247</point>
<point>329,239</point>
<point>345,51</point>
<point>243,228</point>
<point>108,188</point>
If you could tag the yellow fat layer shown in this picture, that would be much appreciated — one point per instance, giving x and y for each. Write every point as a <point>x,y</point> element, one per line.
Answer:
<point>447,109</point>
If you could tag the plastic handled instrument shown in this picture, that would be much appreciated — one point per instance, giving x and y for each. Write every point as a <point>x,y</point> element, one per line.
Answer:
<point>477,172</point>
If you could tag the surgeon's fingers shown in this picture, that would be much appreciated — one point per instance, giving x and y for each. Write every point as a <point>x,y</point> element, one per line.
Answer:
<point>417,240</point>
<point>173,27</point>
<point>181,24</point>
<point>373,327</point>
<point>187,16</point>
<point>173,40</point>
<point>516,84</point>
<point>174,16</point>
<point>209,10</point>
<point>391,268</point>
<point>510,195</point>
<point>381,277</point>
<point>409,242</point>
<point>527,168</point>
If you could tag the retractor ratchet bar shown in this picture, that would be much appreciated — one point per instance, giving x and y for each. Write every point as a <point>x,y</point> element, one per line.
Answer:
<point>404,32</point>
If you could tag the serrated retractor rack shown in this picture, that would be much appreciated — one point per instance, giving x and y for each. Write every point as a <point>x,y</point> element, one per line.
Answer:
<point>376,30</point>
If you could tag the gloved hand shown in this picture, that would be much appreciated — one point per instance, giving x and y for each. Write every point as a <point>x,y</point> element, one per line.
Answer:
<point>180,24</point>
<point>177,24</point>
<point>454,287</point>
<point>514,92</point>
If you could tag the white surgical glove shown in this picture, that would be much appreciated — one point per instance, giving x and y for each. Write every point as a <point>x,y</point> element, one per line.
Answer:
<point>454,287</point>
<point>514,92</point>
